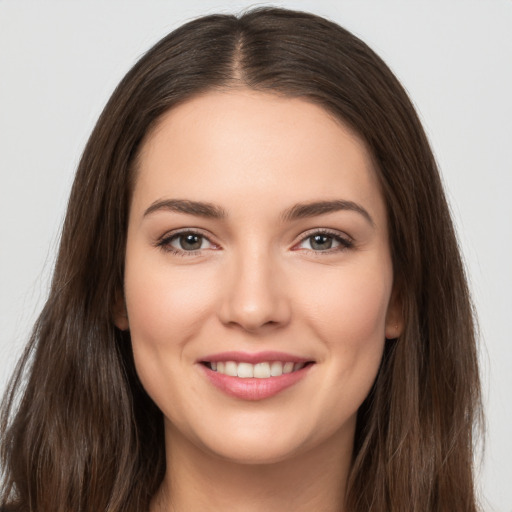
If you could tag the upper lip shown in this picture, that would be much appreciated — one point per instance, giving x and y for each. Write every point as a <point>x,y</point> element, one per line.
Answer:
<point>254,358</point>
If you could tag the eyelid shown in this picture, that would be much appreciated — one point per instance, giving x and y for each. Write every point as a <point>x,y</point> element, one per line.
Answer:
<point>164,241</point>
<point>346,241</point>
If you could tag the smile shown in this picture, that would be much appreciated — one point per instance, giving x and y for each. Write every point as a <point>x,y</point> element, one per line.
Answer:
<point>254,376</point>
<point>262,370</point>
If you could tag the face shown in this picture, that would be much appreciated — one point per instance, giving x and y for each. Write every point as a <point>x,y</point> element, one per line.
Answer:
<point>258,280</point>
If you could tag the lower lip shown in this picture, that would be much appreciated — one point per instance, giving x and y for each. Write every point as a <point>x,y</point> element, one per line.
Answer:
<point>252,388</point>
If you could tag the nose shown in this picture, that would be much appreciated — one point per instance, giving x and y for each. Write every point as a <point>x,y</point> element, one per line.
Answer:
<point>255,297</point>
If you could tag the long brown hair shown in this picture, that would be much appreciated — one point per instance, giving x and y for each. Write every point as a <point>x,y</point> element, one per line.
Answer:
<point>78,430</point>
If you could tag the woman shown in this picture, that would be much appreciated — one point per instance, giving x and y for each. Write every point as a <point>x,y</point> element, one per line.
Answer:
<point>258,301</point>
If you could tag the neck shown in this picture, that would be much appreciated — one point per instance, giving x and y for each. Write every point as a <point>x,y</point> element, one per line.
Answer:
<point>198,480</point>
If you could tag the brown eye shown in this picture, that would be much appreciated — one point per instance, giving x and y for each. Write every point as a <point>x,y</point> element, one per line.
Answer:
<point>186,242</point>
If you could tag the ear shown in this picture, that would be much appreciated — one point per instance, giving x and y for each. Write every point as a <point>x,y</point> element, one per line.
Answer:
<point>119,313</point>
<point>394,316</point>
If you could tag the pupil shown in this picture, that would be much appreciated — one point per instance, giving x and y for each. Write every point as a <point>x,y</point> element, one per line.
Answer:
<point>190,242</point>
<point>321,242</point>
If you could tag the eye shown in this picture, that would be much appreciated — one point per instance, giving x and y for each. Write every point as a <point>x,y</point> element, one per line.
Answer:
<point>185,242</point>
<point>322,241</point>
<point>189,242</point>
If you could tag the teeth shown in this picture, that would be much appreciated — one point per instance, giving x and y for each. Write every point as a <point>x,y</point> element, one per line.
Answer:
<point>258,370</point>
<point>230,368</point>
<point>276,368</point>
<point>287,367</point>
<point>262,370</point>
<point>245,370</point>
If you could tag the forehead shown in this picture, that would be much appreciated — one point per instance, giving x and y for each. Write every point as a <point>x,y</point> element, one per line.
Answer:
<point>267,148</point>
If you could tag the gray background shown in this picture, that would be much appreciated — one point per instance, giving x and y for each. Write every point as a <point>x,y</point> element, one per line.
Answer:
<point>59,62</point>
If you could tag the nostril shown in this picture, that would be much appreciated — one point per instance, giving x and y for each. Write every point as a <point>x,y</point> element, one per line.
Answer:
<point>255,305</point>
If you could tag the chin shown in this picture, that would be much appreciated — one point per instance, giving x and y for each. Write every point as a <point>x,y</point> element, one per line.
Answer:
<point>256,451</point>
<point>263,441</point>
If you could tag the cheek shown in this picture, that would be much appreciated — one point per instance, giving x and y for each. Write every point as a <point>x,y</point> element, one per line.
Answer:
<point>349,316</point>
<point>350,308</point>
<point>162,303</point>
<point>166,309</point>
<point>359,316</point>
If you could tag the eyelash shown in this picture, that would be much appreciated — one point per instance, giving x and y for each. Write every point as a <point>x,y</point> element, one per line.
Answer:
<point>165,242</point>
<point>345,242</point>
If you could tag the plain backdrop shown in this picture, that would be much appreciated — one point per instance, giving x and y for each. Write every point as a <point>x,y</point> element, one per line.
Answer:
<point>59,62</point>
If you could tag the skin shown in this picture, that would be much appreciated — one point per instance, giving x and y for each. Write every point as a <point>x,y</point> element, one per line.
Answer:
<point>257,283</point>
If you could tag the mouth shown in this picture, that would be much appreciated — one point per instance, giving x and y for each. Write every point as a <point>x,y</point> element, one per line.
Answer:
<point>262,370</point>
<point>254,376</point>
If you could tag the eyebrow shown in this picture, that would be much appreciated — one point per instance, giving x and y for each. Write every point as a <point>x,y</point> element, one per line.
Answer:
<point>297,211</point>
<point>306,210</point>
<point>198,208</point>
